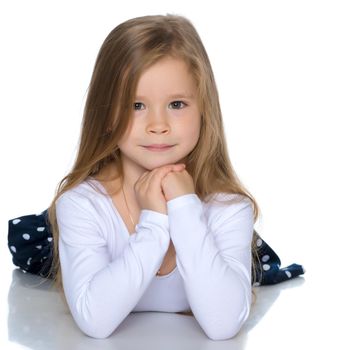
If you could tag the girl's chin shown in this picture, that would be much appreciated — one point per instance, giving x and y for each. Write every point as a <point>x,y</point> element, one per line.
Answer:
<point>153,165</point>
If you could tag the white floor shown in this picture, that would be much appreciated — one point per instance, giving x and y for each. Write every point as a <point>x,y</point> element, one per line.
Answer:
<point>285,316</point>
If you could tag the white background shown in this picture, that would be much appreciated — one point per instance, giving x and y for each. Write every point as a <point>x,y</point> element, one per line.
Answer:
<point>283,74</point>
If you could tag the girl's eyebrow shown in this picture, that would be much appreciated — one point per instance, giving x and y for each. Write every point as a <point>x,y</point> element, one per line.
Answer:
<point>178,95</point>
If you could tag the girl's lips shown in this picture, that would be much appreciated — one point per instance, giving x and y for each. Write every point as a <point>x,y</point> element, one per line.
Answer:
<point>158,148</point>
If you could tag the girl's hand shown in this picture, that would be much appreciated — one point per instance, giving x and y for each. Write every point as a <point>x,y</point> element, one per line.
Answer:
<point>176,184</point>
<point>148,189</point>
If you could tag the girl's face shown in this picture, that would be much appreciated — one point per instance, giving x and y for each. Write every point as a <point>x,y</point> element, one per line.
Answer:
<point>165,112</point>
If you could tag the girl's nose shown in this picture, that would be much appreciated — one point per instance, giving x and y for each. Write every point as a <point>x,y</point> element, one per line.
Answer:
<point>158,130</point>
<point>158,124</point>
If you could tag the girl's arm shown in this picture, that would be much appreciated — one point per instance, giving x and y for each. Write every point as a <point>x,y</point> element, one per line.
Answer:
<point>214,260</point>
<point>101,292</point>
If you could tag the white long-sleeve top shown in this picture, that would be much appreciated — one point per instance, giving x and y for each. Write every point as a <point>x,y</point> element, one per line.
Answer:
<point>108,273</point>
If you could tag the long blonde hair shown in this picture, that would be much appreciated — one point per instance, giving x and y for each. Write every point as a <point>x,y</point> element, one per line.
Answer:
<point>128,50</point>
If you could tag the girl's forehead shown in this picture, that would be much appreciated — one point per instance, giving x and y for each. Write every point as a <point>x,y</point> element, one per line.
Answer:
<point>171,77</point>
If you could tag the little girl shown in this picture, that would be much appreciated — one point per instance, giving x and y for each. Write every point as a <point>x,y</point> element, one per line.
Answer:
<point>152,216</point>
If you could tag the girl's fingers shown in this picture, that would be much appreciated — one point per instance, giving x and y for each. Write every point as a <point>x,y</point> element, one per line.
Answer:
<point>159,173</point>
<point>148,188</point>
<point>155,176</point>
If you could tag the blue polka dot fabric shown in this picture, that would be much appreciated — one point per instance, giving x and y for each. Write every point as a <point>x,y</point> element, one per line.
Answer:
<point>267,265</point>
<point>31,244</point>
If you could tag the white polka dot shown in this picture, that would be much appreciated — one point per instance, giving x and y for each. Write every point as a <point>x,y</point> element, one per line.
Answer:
<point>49,239</point>
<point>28,261</point>
<point>266,267</point>
<point>265,258</point>
<point>38,246</point>
<point>13,248</point>
<point>26,236</point>
<point>258,242</point>
<point>40,229</point>
<point>288,274</point>
<point>16,221</point>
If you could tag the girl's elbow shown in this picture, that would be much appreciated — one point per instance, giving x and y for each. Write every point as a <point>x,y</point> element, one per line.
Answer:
<point>228,327</point>
<point>97,325</point>
<point>96,331</point>
<point>98,334</point>
<point>94,322</point>
<point>223,333</point>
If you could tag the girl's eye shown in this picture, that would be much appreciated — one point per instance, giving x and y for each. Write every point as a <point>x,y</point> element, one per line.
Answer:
<point>177,104</point>
<point>137,105</point>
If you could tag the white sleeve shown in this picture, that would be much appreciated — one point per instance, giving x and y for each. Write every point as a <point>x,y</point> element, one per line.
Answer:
<point>100,292</point>
<point>214,261</point>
